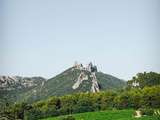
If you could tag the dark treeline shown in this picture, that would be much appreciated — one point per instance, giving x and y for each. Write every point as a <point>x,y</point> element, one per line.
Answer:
<point>148,97</point>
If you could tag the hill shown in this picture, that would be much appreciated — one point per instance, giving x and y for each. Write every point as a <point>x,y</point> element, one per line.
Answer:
<point>145,79</point>
<point>74,80</point>
<point>12,86</point>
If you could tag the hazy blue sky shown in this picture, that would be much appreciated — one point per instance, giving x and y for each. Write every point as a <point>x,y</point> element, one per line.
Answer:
<point>44,37</point>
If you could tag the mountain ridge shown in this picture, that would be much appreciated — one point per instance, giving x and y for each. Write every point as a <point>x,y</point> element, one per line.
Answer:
<point>72,80</point>
<point>62,84</point>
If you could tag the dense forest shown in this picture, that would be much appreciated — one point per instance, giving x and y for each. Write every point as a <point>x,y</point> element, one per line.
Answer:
<point>142,92</point>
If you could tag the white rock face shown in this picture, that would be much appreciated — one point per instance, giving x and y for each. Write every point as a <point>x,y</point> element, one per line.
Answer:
<point>17,82</point>
<point>95,86</point>
<point>81,77</point>
<point>89,68</point>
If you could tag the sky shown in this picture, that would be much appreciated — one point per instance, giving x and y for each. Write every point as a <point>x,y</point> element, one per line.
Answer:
<point>45,37</point>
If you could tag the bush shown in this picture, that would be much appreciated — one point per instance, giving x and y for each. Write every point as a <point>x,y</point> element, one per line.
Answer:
<point>146,98</point>
<point>33,114</point>
<point>157,114</point>
<point>147,111</point>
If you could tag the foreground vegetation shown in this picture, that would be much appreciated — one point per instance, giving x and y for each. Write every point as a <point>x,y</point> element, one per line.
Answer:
<point>105,115</point>
<point>146,97</point>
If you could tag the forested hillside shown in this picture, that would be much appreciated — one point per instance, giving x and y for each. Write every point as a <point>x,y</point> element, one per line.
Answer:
<point>63,83</point>
<point>146,99</point>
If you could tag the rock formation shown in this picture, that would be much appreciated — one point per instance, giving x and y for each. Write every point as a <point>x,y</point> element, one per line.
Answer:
<point>17,82</point>
<point>92,70</point>
<point>95,86</point>
<point>81,77</point>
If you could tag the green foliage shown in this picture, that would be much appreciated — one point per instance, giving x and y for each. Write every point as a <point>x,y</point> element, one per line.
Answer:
<point>136,98</point>
<point>122,101</point>
<point>147,97</point>
<point>33,114</point>
<point>144,80</point>
<point>17,111</point>
<point>147,111</point>
<point>157,114</point>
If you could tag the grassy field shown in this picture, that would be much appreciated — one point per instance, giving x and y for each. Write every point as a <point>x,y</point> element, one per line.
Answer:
<point>106,115</point>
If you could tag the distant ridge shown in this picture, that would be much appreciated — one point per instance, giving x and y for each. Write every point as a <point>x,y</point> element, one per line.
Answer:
<point>77,78</point>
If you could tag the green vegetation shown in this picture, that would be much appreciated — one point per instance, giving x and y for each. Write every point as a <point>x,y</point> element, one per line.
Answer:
<point>57,86</point>
<point>105,115</point>
<point>144,79</point>
<point>146,99</point>
<point>62,85</point>
<point>15,91</point>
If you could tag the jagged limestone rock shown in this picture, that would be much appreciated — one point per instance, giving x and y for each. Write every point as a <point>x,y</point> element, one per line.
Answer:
<point>95,86</point>
<point>17,82</point>
<point>91,69</point>
<point>81,77</point>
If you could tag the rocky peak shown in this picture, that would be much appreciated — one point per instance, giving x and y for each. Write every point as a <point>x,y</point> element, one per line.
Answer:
<point>17,82</point>
<point>91,69</point>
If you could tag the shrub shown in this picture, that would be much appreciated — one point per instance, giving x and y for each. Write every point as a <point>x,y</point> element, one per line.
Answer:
<point>33,114</point>
<point>147,111</point>
<point>157,114</point>
<point>145,98</point>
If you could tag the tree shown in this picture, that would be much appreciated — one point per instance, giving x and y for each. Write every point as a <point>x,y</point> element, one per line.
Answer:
<point>142,80</point>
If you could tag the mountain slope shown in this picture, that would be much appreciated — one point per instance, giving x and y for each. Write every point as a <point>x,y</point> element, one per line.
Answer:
<point>73,80</point>
<point>109,82</point>
<point>63,84</point>
<point>12,86</point>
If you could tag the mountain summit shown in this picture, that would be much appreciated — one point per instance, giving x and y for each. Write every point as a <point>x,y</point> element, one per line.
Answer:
<point>78,78</point>
<point>87,73</point>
